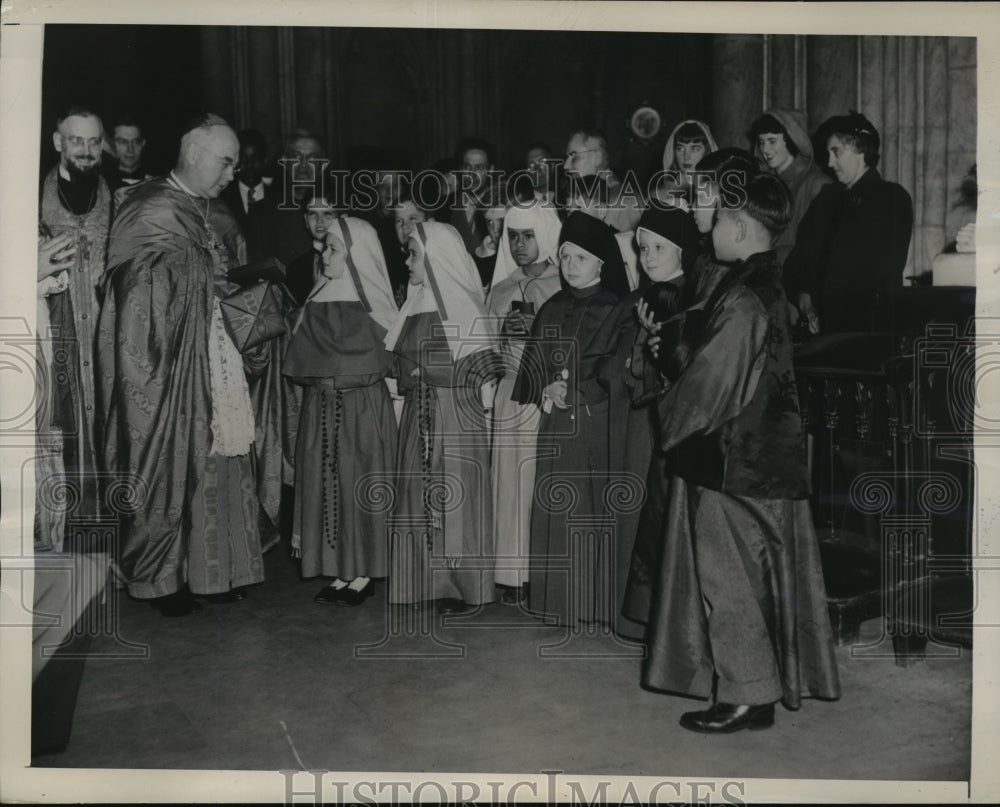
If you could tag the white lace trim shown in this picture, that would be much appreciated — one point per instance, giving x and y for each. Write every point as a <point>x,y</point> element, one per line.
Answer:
<point>232,413</point>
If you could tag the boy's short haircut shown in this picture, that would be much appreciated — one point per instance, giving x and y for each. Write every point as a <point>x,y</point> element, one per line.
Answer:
<point>768,124</point>
<point>729,158</point>
<point>769,202</point>
<point>730,166</point>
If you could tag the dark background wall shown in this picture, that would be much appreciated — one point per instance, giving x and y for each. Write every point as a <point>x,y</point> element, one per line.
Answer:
<point>402,98</point>
<point>382,98</point>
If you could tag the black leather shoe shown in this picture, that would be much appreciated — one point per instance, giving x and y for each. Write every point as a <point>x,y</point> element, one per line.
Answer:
<point>451,605</point>
<point>226,597</point>
<point>180,603</point>
<point>725,718</point>
<point>328,595</point>
<point>352,597</point>
<point>514,595</point>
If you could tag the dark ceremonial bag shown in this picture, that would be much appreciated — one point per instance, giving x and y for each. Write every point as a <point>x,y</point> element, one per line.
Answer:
<point>255,312</point>
<point>249,273</point>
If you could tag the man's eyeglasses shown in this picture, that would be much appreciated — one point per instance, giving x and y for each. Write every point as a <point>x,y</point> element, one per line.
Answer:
<point>574,154</point>
<point>77,142</point>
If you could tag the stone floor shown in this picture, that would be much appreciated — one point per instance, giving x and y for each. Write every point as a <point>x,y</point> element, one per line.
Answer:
<point>278,682</point>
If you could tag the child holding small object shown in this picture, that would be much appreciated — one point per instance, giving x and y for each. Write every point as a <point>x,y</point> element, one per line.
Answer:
<point>526,276</point>
<point>621,373</point>
<point>573,431</point>
<point>739,609</point>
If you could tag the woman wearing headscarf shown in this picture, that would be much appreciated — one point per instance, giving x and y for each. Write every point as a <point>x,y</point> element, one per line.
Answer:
<point>618,369</point>
<point>346,441</point>
<point>780,141</point>
<point>446,351</point>
<point>525,277</point>
<point>573,449</point>
<point>689,142</point>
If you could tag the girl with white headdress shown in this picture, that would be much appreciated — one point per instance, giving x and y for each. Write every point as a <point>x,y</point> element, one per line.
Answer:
<point>446,351</point>
<point>346,447</point>
<point>688,143</point>
<point>526,275</point>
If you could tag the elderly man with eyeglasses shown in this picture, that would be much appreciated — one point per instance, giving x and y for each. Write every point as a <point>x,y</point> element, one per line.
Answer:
<point>587,155</point>
<point>177,416</point>
<point>75,209</point>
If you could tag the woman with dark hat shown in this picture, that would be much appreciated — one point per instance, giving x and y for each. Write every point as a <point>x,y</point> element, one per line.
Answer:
<point>573,429</point>
<point>853,241</point>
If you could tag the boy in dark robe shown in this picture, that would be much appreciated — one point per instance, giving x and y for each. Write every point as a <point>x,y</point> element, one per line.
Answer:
<point>740,607</point>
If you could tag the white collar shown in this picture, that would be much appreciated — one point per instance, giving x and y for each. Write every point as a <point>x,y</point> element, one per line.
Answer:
<point>183,187</point>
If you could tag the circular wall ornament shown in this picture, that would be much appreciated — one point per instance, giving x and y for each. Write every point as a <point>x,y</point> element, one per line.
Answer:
<point>645,122</point>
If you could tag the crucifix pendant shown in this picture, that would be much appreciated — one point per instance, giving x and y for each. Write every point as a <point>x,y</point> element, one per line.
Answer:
<point>84,249</point>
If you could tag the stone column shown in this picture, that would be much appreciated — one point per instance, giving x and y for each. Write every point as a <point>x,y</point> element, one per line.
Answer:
<point>960,114</point>
<point>262,72</point>
<point>783,72</point>
<point>217,70</point>
<point>311,80</point>
<point>831,77</point>
<point>737,86</point>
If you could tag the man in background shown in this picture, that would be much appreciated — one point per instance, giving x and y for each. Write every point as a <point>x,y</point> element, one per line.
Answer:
<point>587,155</point>
<point>472,195</point>
<point>274,226</point>
<point>129,145</point>
<point>251,185</point>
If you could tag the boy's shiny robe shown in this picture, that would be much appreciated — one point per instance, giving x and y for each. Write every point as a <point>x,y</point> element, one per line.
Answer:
<point>731,426</point>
